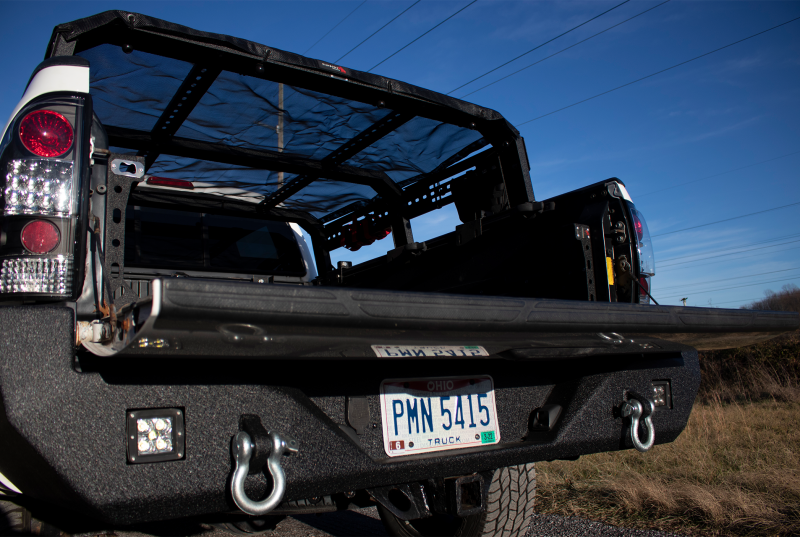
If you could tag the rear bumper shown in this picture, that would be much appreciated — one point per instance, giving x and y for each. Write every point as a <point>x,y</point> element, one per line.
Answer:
<point>63,436</point>
<point>206,318</point>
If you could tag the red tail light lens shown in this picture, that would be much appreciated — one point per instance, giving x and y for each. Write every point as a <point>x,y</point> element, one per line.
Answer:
<point>46,133</point>
<point>165,181</point>
<point>362,233</point>
<point>40,237</point>
<point>637,226</point>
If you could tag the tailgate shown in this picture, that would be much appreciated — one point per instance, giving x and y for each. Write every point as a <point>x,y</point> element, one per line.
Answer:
<point>195,318</point>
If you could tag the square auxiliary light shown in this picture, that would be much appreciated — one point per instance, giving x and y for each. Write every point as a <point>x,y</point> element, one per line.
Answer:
<point>662,395</point>
<point>155,435</point>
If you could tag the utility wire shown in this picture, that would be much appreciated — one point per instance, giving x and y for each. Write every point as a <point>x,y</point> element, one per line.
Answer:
<point>774,239</point>
<point>741,300</point>
<point>734,287</point>
<point>560,51</point>
<point>728,219</point>
<point>420,37</point>
<point>716,175</point>
<point>336,26</point>
<point>663,270</point>
<point>536,47</point>
<point>378,30</point>
<point>683,285</point>
<point>725,255</point>
<point>658,72</point>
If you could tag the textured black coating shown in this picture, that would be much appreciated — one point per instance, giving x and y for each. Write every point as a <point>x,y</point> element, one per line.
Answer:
<point>118,189</point>
<point>62,437</point>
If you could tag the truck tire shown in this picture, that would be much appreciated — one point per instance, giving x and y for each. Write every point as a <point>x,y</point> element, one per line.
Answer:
<point>508,511</point>
<point>254,526</point>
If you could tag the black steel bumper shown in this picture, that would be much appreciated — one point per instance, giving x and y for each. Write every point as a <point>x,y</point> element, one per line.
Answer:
<point>63,417</point>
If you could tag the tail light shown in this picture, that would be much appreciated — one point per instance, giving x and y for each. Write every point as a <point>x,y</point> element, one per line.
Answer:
<point>362,233</point>
<point>644,253</point>
<point>46,133</point>
<point>41,200</point>
<point>166,181</point>
<point>39,186</point>
<point>644,289</point>
<point>40,237</point>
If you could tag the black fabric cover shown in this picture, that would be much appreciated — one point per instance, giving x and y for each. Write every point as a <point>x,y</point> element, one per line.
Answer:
<point>131,89</point>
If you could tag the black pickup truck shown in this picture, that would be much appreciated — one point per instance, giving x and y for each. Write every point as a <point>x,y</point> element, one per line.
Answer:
<point>175,342</point>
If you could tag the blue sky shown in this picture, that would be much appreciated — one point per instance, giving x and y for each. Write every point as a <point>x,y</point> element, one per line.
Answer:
<point>727,124</point>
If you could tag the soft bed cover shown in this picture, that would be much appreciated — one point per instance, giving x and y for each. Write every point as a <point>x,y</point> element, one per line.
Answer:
<point>139,63</point>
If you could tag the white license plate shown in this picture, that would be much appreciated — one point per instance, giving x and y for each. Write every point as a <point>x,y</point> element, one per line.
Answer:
<point>428,351</point>
<point>436,414</point>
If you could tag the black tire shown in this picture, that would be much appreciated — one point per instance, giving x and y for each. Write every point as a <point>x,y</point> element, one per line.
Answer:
<point>14,519</point>
<point>508,512</point>
<point>252,526</point>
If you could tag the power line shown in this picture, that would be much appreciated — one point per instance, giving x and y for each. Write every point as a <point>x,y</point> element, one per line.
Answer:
<point>661,271</point>
<point>727,219</point>
<point>728,279</point>
<point>658,72</point>
<point>378,30</point>
<point>562,50</point>
<point>725,255</point>
<point>420,37</point>
<point>335,26</point>
<point>717,174</point>
<point>734,287</point>
<point>536,47</point>
<point>741,300</point>
<point>774,239</point>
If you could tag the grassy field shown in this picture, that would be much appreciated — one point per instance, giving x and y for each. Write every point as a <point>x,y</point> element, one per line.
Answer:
<point>735,470</point>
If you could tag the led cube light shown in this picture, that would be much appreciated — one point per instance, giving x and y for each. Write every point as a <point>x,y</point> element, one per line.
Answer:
<point>46,275</point>
<point>662,395</point>
<point>155,435</point>
<point>39,186</point>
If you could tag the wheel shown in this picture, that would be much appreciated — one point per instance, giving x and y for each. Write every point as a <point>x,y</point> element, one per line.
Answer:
<point>508,511</point>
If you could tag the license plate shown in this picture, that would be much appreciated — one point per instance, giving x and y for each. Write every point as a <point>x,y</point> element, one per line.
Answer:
<point>437,414</point>
<point>430,351</point>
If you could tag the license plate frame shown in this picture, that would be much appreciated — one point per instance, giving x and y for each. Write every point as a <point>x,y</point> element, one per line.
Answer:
<point>468,408</point>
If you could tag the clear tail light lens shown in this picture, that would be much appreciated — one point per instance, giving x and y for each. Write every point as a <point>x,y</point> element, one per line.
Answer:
<point>644,288</point>
<point>43,197</point>
<point>644,246</point>
<point>51,275</point>
<point>39,186</point>
<point>644,252</point>
<point>46,133</point>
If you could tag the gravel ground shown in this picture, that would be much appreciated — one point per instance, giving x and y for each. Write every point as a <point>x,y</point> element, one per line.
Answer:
<point>365,522</point>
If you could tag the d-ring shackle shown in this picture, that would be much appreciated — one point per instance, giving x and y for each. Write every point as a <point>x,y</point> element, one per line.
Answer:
<point>636,408</point>
<point>242,447</point>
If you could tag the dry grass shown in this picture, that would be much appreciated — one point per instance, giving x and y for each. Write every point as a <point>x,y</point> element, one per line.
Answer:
<point>734,471</point>
<point>768,371</point>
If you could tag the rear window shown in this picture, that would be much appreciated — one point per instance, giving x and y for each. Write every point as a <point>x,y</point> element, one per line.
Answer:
<point>168,239</point>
